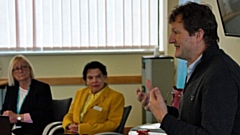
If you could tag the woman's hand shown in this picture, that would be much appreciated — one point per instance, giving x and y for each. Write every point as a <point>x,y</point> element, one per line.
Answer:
<point>73,128</point>
<point>12,116</point>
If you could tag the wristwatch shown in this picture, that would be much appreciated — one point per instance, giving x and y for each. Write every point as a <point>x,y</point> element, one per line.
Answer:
<point>19,118</point>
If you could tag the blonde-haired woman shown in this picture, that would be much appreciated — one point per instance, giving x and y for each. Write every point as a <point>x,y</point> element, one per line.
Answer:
<point>27,101</point>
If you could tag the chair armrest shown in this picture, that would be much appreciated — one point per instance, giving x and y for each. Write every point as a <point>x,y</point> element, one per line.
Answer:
<point>108,133</point>
<point>54,129</point>
<point>48,128</point>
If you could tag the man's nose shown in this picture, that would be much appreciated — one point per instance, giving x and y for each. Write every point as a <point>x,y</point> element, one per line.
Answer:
<point>171,39</point>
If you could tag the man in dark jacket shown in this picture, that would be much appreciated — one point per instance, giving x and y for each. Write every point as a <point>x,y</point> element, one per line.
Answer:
<point>210,103</point>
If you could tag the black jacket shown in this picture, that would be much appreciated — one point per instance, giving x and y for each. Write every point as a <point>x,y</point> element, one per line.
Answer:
<point>37,102</point>
<point>210,104</point>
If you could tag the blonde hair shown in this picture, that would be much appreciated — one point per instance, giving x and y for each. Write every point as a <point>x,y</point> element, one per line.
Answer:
<point>14,60</point>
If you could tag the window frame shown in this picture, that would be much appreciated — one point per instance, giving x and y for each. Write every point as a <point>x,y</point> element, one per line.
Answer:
<point>162,40</point>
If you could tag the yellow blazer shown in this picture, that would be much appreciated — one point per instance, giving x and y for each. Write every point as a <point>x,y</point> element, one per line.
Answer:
<point>96,120</point>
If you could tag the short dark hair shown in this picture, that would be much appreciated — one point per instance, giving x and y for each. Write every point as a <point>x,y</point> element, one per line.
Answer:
<point>196,16</point>
<point>94,65</point>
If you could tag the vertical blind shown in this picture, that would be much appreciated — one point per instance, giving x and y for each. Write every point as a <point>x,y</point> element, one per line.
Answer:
<point>58,25</point>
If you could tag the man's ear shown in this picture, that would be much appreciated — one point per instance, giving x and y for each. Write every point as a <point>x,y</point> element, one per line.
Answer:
<point>199,34</point>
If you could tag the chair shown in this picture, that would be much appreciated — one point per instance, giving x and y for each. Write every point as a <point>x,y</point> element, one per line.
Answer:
<point>60,108</point>
<point>176,95</point>
<point>120,129</point>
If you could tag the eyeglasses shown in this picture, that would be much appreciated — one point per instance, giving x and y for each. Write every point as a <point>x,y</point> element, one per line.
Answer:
<point>22,67</point>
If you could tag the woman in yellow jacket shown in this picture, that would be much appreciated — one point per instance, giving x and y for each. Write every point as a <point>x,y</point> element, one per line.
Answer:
<point>96,108</point>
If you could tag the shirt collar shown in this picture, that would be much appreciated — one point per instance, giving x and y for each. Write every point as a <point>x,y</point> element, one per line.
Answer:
<point>192,66</point>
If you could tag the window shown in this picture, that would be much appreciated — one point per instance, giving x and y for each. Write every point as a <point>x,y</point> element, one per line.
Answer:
<point>78,25</point>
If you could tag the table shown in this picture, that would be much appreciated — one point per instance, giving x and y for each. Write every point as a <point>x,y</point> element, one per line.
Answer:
<point>153,127</point>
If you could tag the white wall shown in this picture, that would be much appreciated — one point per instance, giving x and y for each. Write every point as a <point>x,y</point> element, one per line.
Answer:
<point>231,45</point>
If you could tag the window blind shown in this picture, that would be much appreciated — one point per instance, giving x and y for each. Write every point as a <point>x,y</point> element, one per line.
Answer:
<point>77,25</point>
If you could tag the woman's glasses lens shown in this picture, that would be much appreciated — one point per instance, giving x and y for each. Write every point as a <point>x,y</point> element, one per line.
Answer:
<point>23,68</point>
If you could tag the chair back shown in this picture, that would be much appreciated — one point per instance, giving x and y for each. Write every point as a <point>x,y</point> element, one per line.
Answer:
<point>126,112</point>
<point>60,108</point>
<point>176,95</point>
